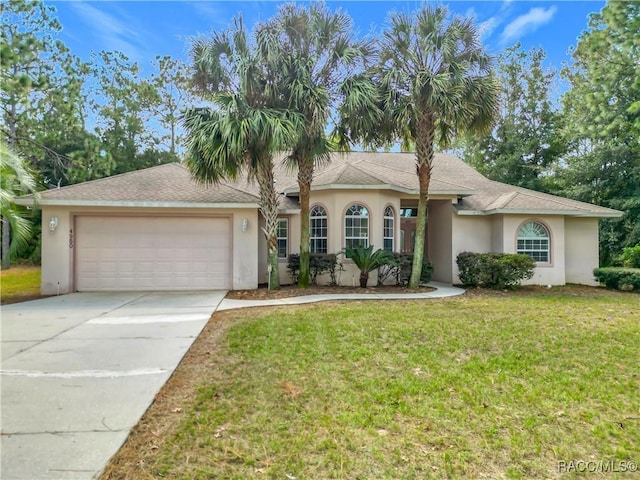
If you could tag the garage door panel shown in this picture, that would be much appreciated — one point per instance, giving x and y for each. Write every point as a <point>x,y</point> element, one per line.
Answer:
<point>152,253</point>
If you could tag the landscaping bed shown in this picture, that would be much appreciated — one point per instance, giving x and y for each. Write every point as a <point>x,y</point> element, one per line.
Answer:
<point>286,291</point>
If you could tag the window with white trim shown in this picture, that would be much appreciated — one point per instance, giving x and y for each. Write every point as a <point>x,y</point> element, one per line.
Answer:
<point>534,240</point>
<point>388,228</point>
<point>282,233</point>
<point>356,226</point>
<point>318,230</point>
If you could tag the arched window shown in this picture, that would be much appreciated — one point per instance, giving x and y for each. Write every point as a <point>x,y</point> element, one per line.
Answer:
<point>534,240</point>
<point>318,230</point>
<point>389,228</point>
<point>356,226</point>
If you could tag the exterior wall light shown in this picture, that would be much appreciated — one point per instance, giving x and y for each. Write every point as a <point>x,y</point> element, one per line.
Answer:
<point>53,224</point>
<point>245,224</point>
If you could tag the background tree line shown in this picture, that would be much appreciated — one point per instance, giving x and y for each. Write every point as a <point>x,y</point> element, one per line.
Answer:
<point>73,121</point>
<point>584,143</point>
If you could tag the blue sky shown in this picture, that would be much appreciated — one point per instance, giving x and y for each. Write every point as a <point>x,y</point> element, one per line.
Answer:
<point>144,29</point>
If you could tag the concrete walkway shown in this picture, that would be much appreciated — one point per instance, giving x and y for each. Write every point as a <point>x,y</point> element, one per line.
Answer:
<point>79,370</point>
<point>442,290</point>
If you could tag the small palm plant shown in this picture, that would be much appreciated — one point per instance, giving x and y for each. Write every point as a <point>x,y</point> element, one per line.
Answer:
<point>367,260</point>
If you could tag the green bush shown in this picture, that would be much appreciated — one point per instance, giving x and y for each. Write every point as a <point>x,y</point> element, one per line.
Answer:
<point>400,270</point>
<point>494,270</point>
<point>618,278</point>
<point>631,257</point>
<point>319,263</point>
<point>367,260</point>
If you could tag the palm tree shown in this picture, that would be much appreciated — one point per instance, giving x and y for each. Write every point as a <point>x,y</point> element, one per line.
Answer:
<point>435,81</point>
<point>244,128</point>
<point>15,179</point>
<point>313,52</point>
<point>367,260</point>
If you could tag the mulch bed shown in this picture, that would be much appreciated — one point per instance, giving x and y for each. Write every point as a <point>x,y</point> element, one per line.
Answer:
<point>286,291</point>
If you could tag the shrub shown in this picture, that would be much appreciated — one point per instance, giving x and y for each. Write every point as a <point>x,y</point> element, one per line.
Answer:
<point>367,260</point>
<point>618,278</point>
<point>319,263</point>
<point>631,257</point>
<point>494,270</point>
<point>400,270</point>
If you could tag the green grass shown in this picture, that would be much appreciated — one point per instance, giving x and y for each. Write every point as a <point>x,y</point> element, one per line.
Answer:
<point>19,283</point>
<point>473,387</point>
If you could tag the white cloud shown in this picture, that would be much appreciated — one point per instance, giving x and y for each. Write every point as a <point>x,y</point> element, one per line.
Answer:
<point>114,33</point>
<point>487,27</point>
<point>527,23</point>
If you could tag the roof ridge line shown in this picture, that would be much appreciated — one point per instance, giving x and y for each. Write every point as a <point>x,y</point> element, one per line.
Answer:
<point>354,165</point>
<point>502,200</point>
<point>553,198</point>
<point>339,168</point>
<point>226,183</point>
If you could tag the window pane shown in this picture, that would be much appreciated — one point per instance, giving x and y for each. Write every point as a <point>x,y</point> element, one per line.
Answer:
<point>533,240</point>
<point>356,226</point>
<point>282,248</point>
<point>282,233</point>
<point>388,232</point>
<point>318,230</point>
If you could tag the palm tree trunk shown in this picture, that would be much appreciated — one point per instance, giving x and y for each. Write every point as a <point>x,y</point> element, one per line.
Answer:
<point>11,142</point>
<point>424,160</point>
<point>6,242</point>
<point>305,176</point>
<point>269,209</point>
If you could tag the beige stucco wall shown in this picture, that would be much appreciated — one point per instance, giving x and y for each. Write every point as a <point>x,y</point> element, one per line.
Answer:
<point>470,234</point>
<point>498,233</point>
<point>554,272</point>
<point>336,202</point>
<point>450,234</point>
<point>57,256</point>
<point>581,250</point>
<point>440,228</point>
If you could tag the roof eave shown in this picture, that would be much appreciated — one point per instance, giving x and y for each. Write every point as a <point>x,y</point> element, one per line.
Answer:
<point>570,213</point>
<point>121,203</point>
<point>385,186</point>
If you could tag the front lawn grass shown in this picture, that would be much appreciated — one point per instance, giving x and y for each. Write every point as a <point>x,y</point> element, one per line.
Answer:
<point>469,387</point>
<point>19,283</point>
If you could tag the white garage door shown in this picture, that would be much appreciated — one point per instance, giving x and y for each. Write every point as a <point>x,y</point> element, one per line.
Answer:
<point>157,253</point>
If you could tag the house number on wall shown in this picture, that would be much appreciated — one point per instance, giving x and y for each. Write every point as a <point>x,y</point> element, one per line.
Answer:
<point>71,238</point>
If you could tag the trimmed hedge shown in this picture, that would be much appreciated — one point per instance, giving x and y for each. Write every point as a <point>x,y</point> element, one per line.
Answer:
<point>619,278</point>
<point>319,263</point>
<point>401,267</point>
<point>494,270</point>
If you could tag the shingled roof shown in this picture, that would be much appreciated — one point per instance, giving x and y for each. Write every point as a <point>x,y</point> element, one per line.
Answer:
<point>172,185</point>
<point>164,185</point>
<point>450,176</point>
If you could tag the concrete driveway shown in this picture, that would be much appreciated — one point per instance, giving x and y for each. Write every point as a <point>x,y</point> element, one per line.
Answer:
<point>79,370</point>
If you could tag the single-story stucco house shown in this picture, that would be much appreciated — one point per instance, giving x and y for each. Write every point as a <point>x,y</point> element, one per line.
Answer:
<point>157,229</point>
